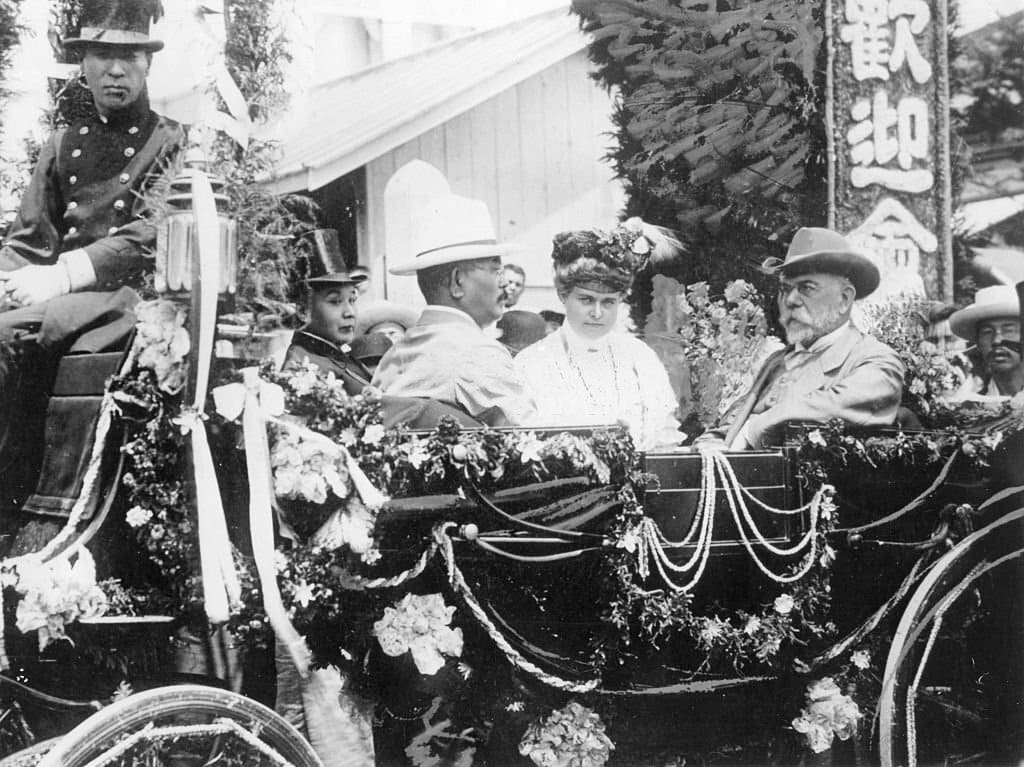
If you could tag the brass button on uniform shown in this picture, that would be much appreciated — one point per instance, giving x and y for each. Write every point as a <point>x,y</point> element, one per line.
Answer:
<point>118,204</point>
<point>124,178</point>
<point>72,230</point>
<point>73,180</point>
<point>129,151</point>
<point>72,205</point>
<point>83,130</point>
<point>133,130</point>
<point>76,153</point>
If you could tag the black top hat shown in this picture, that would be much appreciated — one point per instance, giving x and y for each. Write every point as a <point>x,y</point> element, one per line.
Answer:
<point>520,328</point>
<point>326,264</point>
<point>117,22</point>
<point>370,348</point>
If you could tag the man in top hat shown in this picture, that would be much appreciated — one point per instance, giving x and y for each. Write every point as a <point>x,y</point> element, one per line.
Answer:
<point>324,340</point>
<point>992,322</point>
<point>446,356</point>
<point>81,238</point>
<point>829,369</point>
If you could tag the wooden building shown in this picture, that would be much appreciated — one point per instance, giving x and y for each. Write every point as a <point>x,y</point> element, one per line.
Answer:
<point>507,115</point>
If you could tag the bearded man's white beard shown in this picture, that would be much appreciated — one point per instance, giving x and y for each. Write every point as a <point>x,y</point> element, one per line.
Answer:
<point>801,333</point>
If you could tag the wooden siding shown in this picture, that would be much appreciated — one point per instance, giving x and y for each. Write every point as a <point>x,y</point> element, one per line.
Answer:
<point>533,154</point>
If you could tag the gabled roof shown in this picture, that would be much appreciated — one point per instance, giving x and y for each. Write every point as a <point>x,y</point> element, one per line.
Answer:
<point>357,118</point>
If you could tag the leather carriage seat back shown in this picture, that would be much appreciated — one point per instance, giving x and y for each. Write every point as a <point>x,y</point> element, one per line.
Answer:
<point>71,417</point>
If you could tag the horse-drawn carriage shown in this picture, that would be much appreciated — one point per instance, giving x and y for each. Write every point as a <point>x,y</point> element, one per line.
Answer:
<point>729,582</point>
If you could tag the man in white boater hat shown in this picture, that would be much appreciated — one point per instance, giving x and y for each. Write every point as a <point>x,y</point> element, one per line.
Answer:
<point>993,323</point>
<point>829,369</point>
<point>446,356</point>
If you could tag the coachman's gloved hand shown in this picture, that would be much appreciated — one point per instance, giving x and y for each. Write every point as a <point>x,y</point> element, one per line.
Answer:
<point>35,284</point>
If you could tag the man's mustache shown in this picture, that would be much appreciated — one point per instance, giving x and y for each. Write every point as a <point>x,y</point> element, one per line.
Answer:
<point>1013,346</point>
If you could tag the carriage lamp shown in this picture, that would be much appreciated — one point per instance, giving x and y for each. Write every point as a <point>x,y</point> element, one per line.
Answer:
<point>177,239</point>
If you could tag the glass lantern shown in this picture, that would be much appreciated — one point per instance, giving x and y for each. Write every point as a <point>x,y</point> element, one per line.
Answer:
<point>177,239</point>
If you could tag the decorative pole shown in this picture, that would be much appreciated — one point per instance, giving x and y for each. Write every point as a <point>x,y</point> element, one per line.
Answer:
<point>196,261</point>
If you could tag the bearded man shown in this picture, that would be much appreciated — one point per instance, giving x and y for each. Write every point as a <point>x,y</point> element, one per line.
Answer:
<point>829,369</point>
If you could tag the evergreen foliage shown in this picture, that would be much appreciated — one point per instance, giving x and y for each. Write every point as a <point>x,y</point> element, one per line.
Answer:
<point>256,51</point>
<point>720,128</point>
<point>10,31</point>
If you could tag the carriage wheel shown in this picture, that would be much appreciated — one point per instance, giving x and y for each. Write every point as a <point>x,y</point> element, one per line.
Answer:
<point>951,691</point>
<point>183,725</point>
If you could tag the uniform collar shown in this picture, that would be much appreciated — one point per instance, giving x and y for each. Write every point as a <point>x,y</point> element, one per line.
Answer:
<point>312,339</point>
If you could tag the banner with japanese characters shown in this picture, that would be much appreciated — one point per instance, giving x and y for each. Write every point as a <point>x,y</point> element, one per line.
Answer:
<point>889,163</point>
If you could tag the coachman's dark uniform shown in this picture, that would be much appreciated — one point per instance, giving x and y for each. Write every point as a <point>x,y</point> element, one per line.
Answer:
<point>86,192</point>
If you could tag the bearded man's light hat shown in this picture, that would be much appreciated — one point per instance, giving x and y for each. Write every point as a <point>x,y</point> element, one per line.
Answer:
<point>989,304</point>
<point>450,229</point>
<point>815,249</point>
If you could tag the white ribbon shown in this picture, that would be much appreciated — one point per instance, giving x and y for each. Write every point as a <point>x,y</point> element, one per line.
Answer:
<point>221,588</point>
<point>257,455</point>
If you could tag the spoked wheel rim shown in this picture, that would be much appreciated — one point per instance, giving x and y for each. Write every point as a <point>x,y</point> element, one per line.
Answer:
<point>937,704</point>
<point>182,725</point>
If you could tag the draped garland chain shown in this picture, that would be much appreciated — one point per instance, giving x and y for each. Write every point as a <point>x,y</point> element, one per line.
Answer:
<point>651,543</point>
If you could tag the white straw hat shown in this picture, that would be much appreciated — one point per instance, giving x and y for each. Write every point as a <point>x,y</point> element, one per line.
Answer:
<point>449,229</point>
<point>989,303</point>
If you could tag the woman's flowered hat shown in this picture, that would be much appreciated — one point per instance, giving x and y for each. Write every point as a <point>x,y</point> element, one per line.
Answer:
<point>629,247</point>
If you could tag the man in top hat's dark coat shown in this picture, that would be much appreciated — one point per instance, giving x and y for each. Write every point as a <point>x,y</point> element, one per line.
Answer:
<point>81,239</point>
<point>324,340</point>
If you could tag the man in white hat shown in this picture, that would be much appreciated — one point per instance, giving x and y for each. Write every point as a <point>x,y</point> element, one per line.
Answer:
<point>446,356</point>
<point>829,369</point>
<point>992,322</point>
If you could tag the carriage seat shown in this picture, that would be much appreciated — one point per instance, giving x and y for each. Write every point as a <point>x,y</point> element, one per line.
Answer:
<point>72,414</point>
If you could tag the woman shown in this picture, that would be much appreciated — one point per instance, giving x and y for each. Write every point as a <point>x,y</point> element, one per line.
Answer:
<point>588,372</point>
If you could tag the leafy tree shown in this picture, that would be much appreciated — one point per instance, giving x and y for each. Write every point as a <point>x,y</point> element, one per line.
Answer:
<point>990,71</point>
<point>720,128</point>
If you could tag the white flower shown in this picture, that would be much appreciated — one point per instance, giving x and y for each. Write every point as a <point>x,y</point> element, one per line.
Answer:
<point>815,438</point>
<point>631,539</point>
<point>137,516</point>
<point>784,604</point>
<point>374,434</point>
<point>829,714</point>
<point>56,593</point>
<point>418,453</point>
<point>861,659</point>
<point>753,624</point>
<point>529,447</point>
<point>419,625</point>
<point>303,593</point>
